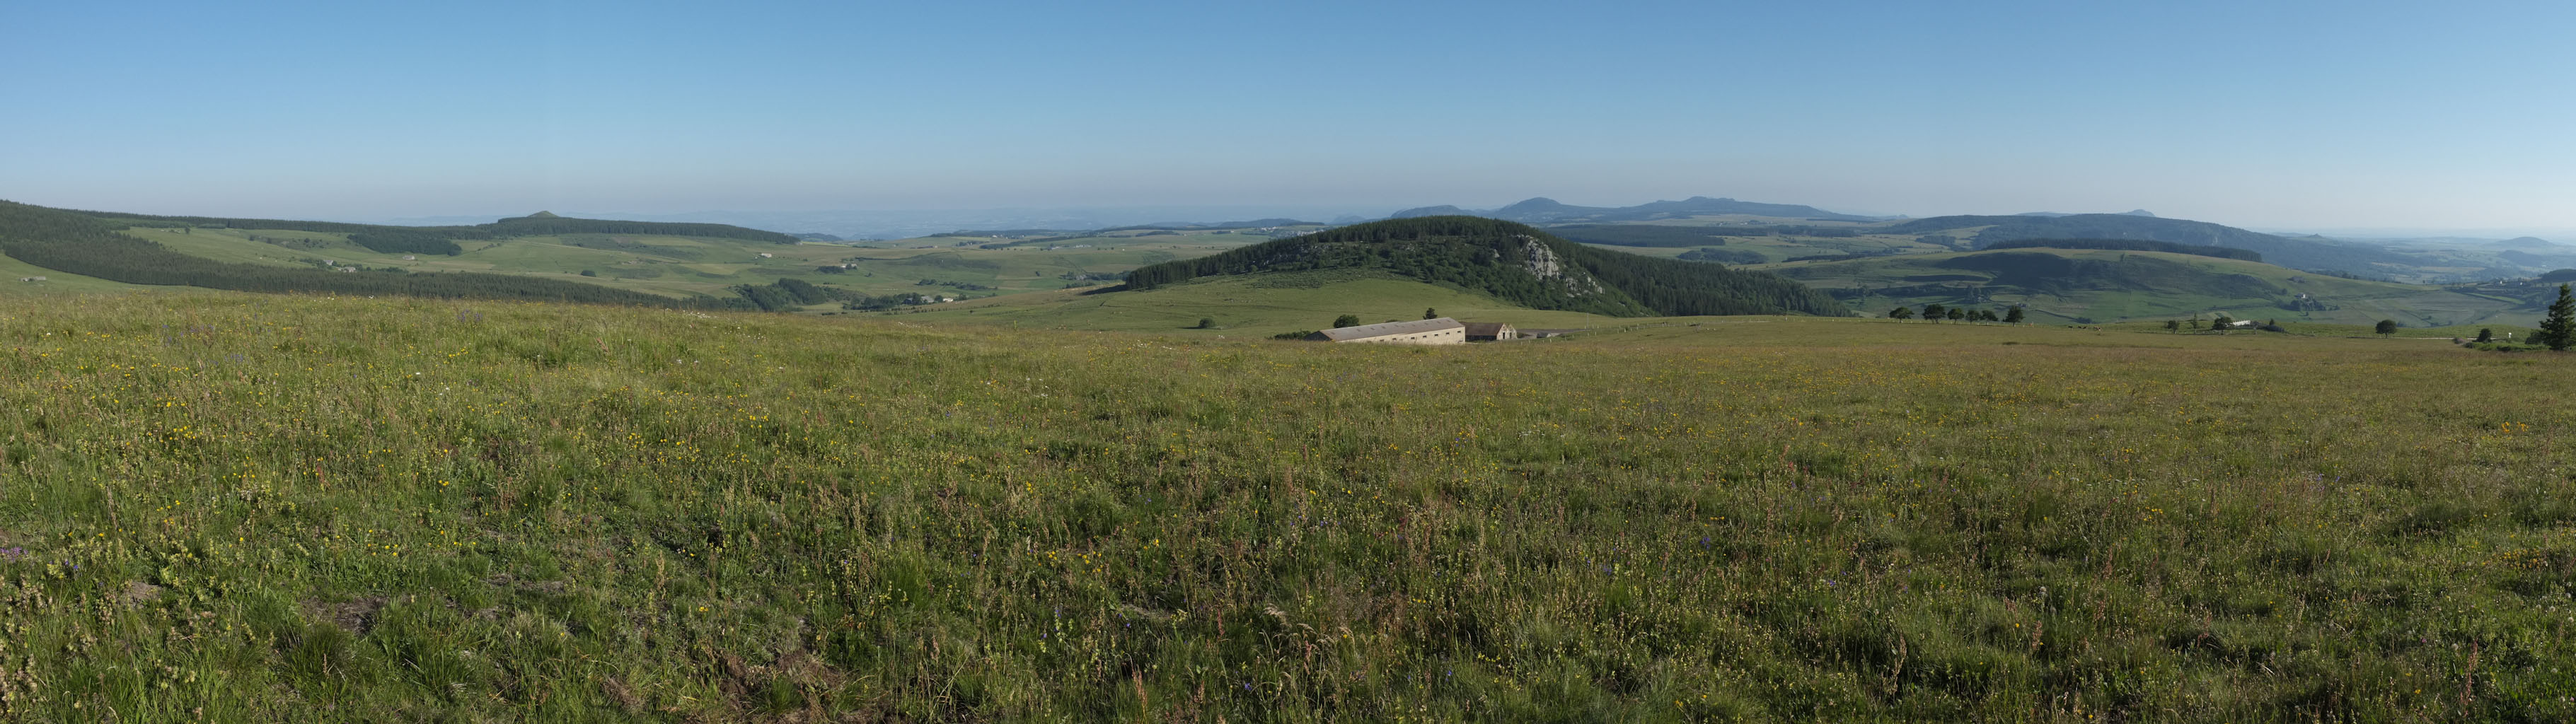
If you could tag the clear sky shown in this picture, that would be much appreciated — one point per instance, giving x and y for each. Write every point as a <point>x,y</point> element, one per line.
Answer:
<point>2271,114</point>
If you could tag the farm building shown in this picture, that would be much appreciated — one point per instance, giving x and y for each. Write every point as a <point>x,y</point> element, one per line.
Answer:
<point>1426,331</point>
<point>1490,332</point>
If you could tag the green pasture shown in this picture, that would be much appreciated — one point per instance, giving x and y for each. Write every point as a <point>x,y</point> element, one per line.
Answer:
<point>56,284</point>
<point>248,508</point>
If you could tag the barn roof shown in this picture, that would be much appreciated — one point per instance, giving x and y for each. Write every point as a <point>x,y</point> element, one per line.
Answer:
<point>1486,329</point>
<point>1366,331</point>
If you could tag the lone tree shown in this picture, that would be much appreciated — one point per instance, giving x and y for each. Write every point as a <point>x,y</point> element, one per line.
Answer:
<point>2222,323</point>
<point>1429,313</point>
<point>2558,330</point>
<point>2013,315</point>
<point>2173,325</point>
<point>1207,323</point>
<point>1347,320</point>
<point>1956,313</point>
<point>2386,326</point>
<point>2485,335</point>
<point>1932,311</point>
<point>1900,313</point>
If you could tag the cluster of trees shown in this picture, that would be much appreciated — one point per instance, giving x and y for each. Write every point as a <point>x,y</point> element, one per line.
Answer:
<point>2558,329</point>
<point>2223,323</point>
<point>1936,312</point>
<point>885,302</point>
<point>1724,256</point>
<point>1514,263</point>
<point>785,294</point>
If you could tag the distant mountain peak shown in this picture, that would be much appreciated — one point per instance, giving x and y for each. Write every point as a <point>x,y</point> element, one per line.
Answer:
<point>1441,210</point>
<point>2057,214</point>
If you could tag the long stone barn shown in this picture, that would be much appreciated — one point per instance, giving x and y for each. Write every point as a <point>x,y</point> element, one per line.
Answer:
<point>1425,331</point>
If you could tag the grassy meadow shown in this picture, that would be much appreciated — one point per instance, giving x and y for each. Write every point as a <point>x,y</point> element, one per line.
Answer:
<point>1257,306</point>
<point>231,507</point>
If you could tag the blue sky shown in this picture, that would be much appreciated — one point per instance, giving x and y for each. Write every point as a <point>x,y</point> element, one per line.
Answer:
<point>2267,114</point>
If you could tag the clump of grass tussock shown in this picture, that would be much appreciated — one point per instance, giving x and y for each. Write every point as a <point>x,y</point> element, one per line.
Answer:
<point>245,508</point>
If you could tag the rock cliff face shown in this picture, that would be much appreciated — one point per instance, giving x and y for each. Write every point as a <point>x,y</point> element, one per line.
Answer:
<point>1544,264</point>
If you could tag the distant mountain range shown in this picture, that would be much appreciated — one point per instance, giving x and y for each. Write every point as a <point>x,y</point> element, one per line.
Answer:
<point>1544,210</point>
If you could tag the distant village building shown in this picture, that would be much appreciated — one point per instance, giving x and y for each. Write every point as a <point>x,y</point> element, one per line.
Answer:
<point>1490,332</point>
<point>764,255</point>
<point>1422,331</point>
<point>31,279</point>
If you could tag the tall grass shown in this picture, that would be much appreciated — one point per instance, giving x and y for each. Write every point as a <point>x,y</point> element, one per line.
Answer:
<point>235,508</point>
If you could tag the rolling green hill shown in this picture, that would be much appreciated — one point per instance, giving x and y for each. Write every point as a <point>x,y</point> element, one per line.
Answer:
<point>2309,254</point>
<point>2108,285</point>
<point>549,257</point>
<point>1514,263</point>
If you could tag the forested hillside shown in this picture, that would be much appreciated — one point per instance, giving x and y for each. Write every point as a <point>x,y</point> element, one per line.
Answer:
<point>1514,263</point>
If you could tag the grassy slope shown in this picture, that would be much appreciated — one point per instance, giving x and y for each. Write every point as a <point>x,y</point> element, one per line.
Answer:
<point>56,284</point>
<point>273,508</point>
<point>1253,306</point>
<point>2359,302</point>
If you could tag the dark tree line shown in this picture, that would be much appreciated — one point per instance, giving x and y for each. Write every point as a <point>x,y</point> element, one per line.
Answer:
<point>405,241</point>
<point>516,226</point>
<point>1724,256</point>
<point>2129,245</point>
<point>1497,258</point>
